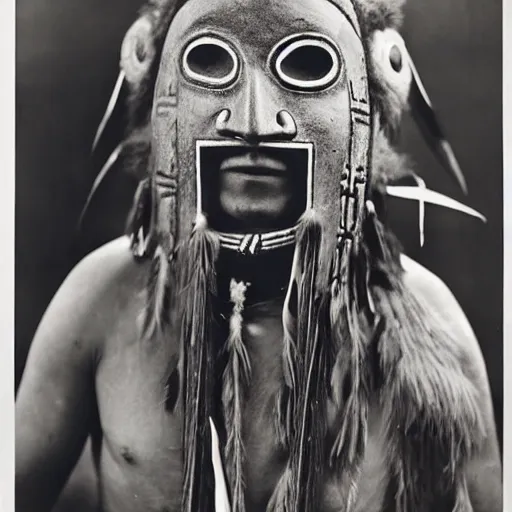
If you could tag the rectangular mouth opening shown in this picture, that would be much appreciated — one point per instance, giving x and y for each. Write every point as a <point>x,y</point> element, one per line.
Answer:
<point>253,188</point>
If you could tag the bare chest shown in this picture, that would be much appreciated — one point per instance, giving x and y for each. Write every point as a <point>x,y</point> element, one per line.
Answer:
<point>141,451</point>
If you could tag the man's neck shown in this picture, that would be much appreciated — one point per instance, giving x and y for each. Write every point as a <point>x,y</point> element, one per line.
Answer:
<point>267,273</point>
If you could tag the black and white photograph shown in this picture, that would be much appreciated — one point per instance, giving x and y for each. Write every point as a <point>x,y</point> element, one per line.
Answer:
<point>259,256</point>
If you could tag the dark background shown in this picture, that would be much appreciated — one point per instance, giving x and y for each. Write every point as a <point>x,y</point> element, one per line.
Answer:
<point>67,62</point>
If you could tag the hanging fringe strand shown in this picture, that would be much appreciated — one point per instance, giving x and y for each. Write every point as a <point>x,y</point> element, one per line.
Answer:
<point>303,403</point>
<point>197,291</point>
<point>349,379</point>
<point>235,382</point>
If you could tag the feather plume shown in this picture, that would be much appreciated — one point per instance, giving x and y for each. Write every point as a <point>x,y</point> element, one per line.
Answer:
<point>138,224</point>
<point>161,277</point>
<point>110,108</point>
<point>235,382</point>
<point>303,407</point>
<point>350,378</point>
<point>197,292</point>
<point>286,395</point>
<point>421,446</point>
<point>432,419</point>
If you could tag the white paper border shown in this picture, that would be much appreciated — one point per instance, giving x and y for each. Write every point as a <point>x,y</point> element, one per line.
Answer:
<point>7,114</point>
<point>507,246</point>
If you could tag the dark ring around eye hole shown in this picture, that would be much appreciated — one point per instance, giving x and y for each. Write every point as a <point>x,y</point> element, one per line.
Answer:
<point>309,43</point>
<point>395,58</point>
<point>210,77</point>
<point>140,50</point>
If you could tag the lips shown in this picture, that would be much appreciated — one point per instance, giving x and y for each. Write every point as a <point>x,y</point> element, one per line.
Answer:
<point>254,163</point>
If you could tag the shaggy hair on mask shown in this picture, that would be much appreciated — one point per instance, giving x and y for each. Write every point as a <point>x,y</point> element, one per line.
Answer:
<point>379,14</point>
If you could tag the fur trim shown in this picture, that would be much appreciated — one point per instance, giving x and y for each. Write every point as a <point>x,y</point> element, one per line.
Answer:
<point>430,405</point>
<point>388,165</point>
<point>136,152</point>
<point>350,375</point>
<point>410,362</point>
<point>379,14</point>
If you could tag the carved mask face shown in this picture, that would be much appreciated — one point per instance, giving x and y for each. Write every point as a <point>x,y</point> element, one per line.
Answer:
<point>252,105</point>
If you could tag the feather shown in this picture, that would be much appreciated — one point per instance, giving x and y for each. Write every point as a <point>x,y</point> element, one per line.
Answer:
<point>138,224</point>
<point>197,292</point>
<point>301,404</point>
<point>221,492</point>
<point>462,499</point>
<point>109,165</point>
<point>431,415</point>
<point>433,419</point>
<point>350,376</point>
<point>421,208</point>
<point>110,108</point>
<point>159,290</point>
<point>235,382</point>
<point>281,497</point>
<point>299,488</point>
<point>429,196</point>
<point>286,395</point>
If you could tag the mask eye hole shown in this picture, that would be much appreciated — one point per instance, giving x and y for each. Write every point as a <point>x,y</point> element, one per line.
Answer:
<point>210,62</point>
<point>306,62</point>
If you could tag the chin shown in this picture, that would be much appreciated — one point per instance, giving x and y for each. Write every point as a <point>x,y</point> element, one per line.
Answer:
<point>250,214</point>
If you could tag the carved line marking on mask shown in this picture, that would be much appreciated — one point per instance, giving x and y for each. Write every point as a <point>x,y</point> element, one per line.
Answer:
<point>349,207</point>
<point>361,121</point>
<point>361,176</point>
<point>166,175</point>
<point>165,104</point>
<point>354,176</point>
<point>356,110</point>
<point>361,101</point>
<point>167,184</point>
<point>359,108</point>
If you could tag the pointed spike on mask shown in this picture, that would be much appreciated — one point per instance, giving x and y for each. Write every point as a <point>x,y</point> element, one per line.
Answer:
<point>396,68</point>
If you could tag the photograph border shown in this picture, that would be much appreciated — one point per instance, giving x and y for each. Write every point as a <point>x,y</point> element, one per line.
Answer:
<point>7,160</point>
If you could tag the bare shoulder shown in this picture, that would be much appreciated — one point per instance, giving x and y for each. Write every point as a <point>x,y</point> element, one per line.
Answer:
<point>431,290</point>
<point>484,469</point>
<point>55,405</point>
<point>95,291</point>
<point>106,270</point>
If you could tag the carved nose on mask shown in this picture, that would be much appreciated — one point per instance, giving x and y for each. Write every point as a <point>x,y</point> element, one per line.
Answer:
<point>282,128</point>
<point>254,118</point>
